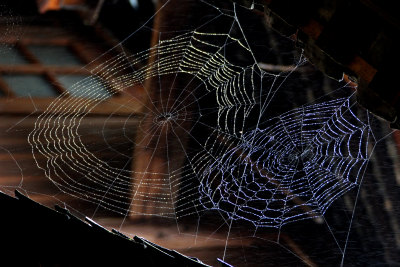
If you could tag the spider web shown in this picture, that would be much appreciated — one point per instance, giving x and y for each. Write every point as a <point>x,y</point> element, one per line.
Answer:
<point>201,55</point>
<point>292,169</point>
<point>219,135</point>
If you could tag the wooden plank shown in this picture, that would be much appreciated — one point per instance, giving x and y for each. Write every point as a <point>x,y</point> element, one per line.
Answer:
<point>26,53</point>
<point>6,89</point>
<point>40,69</point>
<point>21,124</point>
<point>50,77</point>
<point>118,106</point>
<point>55,41</point>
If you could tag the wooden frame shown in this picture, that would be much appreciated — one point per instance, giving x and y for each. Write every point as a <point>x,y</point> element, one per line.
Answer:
<point>84,48</point>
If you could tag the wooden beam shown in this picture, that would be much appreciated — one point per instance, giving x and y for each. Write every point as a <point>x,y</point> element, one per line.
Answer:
<point>26,53</point>
<point>5,88</point>
<point>41,69</point>
<point>120,106</point>
<point>160,144</point>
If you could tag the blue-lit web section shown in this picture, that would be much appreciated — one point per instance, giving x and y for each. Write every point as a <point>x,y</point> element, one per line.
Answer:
<point>288,168</point>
